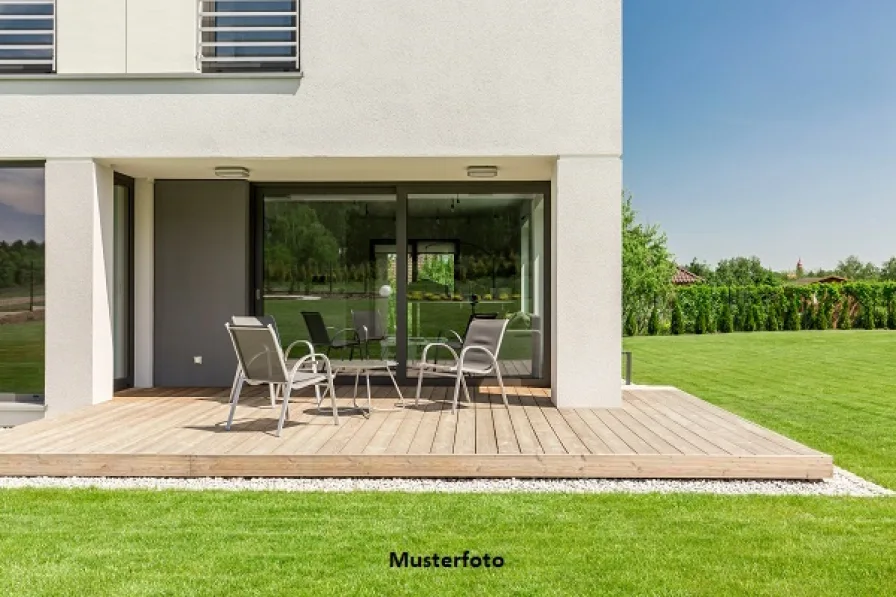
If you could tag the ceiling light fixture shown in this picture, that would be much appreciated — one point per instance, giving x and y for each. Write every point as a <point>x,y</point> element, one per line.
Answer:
<point>235,172</point>
<point>482,171</point>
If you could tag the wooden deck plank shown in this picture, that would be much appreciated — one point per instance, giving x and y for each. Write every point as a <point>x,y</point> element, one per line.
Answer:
<point>504,434</point>
<point>424,435</point>
<point>401,441</point>
<point>548,440</point>
<point>714,422</point>
<point>177,432</point>
<point>522,427</point>
<point>683,427</point>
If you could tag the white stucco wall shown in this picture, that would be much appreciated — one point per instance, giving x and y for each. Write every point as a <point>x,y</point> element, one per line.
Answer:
<point>79,266</point>
<point>90,36</point>
<point>385,78</point>
<point>587,282</point>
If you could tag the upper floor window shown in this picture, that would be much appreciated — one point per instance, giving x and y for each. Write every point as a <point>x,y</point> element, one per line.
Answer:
<point>248,35</point>
<point>28,36</point>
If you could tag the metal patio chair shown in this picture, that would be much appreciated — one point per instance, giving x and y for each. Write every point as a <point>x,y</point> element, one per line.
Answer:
<point>455,340</point>
<point>319,332</point>
<point>478,356</point>
<point>369,326</point>
<point>262,361</point>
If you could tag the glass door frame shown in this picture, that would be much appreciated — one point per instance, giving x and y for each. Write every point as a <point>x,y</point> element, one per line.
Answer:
<point>120,383</point>
<point>402,190</point>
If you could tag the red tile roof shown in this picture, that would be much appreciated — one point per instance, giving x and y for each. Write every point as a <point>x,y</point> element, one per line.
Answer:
<point>683,276</point>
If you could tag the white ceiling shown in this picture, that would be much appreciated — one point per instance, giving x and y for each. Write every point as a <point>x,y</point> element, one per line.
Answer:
<point>320,169</point>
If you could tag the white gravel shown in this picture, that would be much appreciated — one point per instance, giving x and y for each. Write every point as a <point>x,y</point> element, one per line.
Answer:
<point>843,483</point>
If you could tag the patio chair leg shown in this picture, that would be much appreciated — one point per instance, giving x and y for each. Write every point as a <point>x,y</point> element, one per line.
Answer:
<point>457,383</point>
<point>273,390</point>
<point>235,398</point>
<point>333,401</point>
<point>419,385</point>
<point>501,383</point>
<point>463,381</point>
<point>236,378</point>
<point>287,391</point>
<point>395,383</point>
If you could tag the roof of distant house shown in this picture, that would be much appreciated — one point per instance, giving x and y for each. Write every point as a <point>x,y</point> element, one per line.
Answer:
<point>683,276</point>
<point>824,280</point>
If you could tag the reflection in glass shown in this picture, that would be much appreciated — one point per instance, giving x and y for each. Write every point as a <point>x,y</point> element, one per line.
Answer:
<point>477,256</point>
<point>332,258</point>
<point>21,282</point>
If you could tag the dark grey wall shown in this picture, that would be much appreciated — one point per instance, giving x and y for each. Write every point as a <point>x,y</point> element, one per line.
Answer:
<point>201,278</point>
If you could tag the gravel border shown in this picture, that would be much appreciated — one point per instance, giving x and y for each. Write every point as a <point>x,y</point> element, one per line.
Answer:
<point>843,483</point>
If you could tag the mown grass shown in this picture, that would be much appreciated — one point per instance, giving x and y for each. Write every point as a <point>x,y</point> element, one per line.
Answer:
<point>214,543</point>
<point>834,391</point>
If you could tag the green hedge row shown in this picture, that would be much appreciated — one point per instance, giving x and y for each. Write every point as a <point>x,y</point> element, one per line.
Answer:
<point>705,309</point>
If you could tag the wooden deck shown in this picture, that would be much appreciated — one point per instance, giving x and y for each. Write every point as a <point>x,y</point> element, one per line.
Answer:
<point>658,433</point>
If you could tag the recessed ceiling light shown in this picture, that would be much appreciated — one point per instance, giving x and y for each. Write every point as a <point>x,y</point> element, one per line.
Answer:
<point>237,172</point>
<point>482,171</point>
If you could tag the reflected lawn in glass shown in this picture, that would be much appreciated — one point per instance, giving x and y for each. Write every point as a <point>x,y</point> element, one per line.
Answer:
<point>22,358</point>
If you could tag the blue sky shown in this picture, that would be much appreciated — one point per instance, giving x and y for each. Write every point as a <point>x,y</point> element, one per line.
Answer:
<point>763,127</point>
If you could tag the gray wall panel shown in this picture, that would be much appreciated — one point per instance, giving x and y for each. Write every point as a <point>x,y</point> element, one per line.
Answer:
<point>201,278</point>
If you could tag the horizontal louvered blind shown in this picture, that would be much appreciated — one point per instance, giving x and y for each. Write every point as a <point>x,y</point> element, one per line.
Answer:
<point>248,35</point>
<point>27,36</point>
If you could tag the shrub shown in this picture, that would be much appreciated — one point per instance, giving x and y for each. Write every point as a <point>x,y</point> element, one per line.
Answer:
<point>726,319</point>
<point>653,325</point>
<point>758,321</point>
<point>749,320</point>
<point>773,324</point>
<point>868,317</point>
<point>677,319</point>
<point>880,319</point>
<point>891,315</point>
<point>792,316</point>
<point>631,324</point>
<point>824,316</point>
<point>844,321</point>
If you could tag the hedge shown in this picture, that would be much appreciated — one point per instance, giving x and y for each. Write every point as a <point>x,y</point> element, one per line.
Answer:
<point>703,309</point>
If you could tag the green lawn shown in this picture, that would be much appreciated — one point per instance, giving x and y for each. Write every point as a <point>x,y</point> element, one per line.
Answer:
<point>834,391</point>
<point>177,543</point>
<point>22,358</point>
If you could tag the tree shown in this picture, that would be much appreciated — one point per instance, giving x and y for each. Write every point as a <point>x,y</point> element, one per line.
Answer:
<point>891,314</point>
<point>853,269</point>
<point>647,266</point>
<point>744,271</point>
<point>702,269</point>
<point>888,270</point>
<point>677,319</point>
<point>631,326</point>
<point>653,325</point>
<point>844,321</point>
<point>774,324</point>
<point>726,319</point>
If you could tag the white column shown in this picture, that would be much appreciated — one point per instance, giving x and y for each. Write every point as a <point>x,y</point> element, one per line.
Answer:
<point>586,282</point>
<point>79,269</point>
<point>144,281</point>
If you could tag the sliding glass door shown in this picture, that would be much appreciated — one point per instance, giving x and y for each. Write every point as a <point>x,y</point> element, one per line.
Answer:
<point>477,256</point>
<point>379,272</point>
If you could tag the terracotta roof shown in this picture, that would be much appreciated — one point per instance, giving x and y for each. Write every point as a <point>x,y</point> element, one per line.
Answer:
<point>683,276</point>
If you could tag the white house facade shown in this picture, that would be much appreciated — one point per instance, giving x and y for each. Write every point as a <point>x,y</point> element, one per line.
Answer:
<point>436,159</point>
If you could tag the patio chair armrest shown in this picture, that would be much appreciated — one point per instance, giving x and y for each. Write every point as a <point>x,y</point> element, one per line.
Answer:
<point>296,343</point>
<point>344,331</point>
<point>463,354</point>
<point>437,345</point>
<point>313,357</point>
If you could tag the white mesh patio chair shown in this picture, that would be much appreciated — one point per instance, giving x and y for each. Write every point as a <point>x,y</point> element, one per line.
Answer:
<point>238,378</point>
<point>262,361</point>
<point>478,357</point>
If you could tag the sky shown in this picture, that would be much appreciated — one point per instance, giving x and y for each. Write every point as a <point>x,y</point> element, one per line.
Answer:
<point>751,127</point>
<point>763,127</point>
